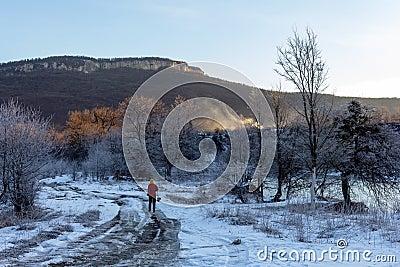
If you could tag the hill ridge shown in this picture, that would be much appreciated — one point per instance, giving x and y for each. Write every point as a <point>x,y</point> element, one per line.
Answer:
<point>56,91</point>
<point>89,64</point>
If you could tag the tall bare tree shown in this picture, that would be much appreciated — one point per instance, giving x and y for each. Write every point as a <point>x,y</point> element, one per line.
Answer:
<point>137,117</point>
<point>281,114</point>
<point>301,63</point>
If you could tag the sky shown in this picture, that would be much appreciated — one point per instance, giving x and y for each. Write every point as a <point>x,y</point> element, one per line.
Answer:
<point>359,39</point>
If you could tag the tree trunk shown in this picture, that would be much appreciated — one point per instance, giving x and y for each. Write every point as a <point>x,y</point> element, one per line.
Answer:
<point>346,193</point>
<point>4,171</point>
<point>312,188</point>
<point>3,193</point>
<point>321,187</point>
<point>17,202</point>
<point>278,194</point>
<point>117,175</point>
<point>289,189</point>
<point>17,208</point>
<point>262,192</point>
<point>168,168</point>
<point>73,172</point>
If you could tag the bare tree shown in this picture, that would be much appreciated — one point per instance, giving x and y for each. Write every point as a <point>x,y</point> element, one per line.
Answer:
<point>106,119</point>
<point>137,117</point>
<point>301,64</point>
<point>292,158</point>
<point>100,160</point>
<point>118,164</point>
<point>281,115</point>
<point>4,150</point>
<point>27,148</point>
<point>186,133</point>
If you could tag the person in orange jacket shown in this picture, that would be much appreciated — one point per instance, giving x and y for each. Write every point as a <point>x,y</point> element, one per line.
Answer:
<point>152,193</point>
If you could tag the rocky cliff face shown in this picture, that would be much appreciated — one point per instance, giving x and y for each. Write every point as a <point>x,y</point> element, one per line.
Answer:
<point>87,65</point>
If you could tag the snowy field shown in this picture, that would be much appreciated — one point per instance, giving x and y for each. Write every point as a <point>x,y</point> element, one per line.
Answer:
<point>208,241</point>
<point>219,234</point>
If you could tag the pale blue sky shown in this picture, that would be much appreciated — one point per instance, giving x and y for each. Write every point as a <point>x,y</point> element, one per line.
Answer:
<point>359,39</point>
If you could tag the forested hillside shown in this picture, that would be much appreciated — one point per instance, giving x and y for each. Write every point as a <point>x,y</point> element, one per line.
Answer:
<point>57,85</point>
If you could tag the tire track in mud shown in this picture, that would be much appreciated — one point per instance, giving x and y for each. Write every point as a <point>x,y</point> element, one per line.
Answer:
<point>123,241</point>
<point>151,242</point>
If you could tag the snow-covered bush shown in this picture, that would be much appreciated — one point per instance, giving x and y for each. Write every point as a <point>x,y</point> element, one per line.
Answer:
<point>26,147</point>
<point>99,162</point>
<point>57,167</point>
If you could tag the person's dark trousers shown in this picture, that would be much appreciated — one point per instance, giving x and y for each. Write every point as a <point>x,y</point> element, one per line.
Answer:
<point>152,200</point>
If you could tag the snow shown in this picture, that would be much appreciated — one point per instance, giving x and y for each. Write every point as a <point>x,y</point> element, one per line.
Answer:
<point>205,240</point>
<point>70,198</point>
<point>208,242</point>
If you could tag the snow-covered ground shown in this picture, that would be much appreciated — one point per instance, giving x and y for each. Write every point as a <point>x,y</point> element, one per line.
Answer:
<point>69,207</point>
<point>207,233</point>
<point>208,241</point>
